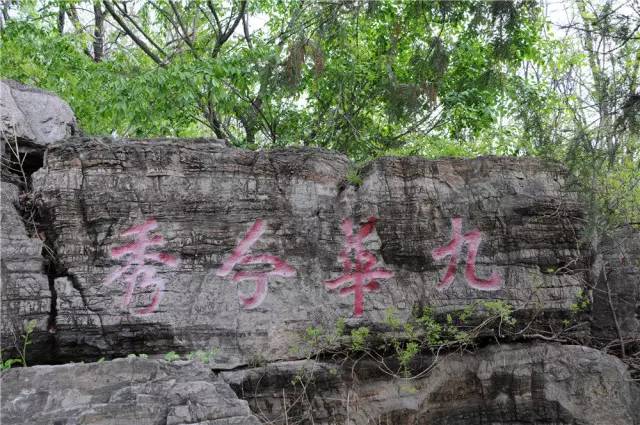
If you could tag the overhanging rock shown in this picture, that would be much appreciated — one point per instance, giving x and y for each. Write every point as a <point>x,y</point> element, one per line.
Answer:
<point>187,225</point>
<point>30,119</point>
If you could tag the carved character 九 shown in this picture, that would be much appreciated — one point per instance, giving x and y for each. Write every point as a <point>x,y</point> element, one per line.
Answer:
<point>472,239</point>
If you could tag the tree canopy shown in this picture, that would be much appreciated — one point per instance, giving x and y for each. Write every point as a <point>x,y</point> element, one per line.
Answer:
<point>367,78</point>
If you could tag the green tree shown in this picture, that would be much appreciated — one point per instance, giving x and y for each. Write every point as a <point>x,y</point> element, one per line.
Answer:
<point>363,77</point>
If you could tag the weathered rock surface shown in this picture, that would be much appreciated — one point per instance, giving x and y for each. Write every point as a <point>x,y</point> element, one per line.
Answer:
<point>507,384</point>
<point>30,119</point>
<point>123,391</point>
<point>616,291</point>
<point>34,116</point>
<point>205,196</point>
<point>24,284</point>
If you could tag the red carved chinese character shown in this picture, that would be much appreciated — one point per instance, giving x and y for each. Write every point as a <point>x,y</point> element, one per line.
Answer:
<point>136,271</point>
<point>472,239</point>
<point>362,270</point>
<point>261,278</point>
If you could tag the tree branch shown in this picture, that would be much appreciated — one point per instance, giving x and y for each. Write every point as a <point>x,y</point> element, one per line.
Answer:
<point>98,32</point>
<point>185,33</point>
<point>245,26</point>
<point>229,30</point>
<point>131,34</point>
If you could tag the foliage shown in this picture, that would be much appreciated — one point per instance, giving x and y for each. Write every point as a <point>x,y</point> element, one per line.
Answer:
<point>582,302</point>
<point>171,356</point>
<point>405,339</point>
<point>22,350</point>
<point>203,356</point>
<point>359,338</point>
<point>353,177</point>
<point>584,109</point>
<point>366,78</point>
<point>7,364</point>
<point>360,77</point>
<point>500,309</point>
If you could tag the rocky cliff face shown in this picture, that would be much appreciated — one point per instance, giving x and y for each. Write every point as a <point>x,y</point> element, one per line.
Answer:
<point>306,280</point>
<point>26,294</point>
<point>287,227</point>
<point>616,293</point>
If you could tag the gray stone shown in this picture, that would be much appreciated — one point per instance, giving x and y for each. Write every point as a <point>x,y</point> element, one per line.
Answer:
<point>616,292</point>
<point>24,284</point>
<point>33,116</point>
<point>205,197</point>
<point>124,391</point>
<point>498,385</point>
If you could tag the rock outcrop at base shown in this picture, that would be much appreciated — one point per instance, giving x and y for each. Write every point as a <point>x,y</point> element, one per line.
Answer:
<point>124,391</point>
<point>499,385</point>
<point>191,244</point>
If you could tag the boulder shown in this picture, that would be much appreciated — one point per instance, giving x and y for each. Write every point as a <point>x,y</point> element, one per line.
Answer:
<point>499,385</point>
<point>34,116</point>
<point>30,119</point>
<point>124,391</point>
<point>192,244</point>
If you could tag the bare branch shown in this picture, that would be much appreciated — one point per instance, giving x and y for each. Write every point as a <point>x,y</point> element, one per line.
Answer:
<point>185,33</point>
<point>245,26</point>
<point>61,15</point>
<point>229,30</point>
<point>215,16</point>
<point>127,15</point>
<point>131,34</point>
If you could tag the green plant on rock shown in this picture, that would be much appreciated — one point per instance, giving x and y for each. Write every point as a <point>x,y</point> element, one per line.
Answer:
<point>406,354</point>
<point>7,364</point>
<point>359,338</point>
<point>500,309</point>
<point>433,329</point>
<point>203,356</point>
<point>391,319</point>
<point>314,336</point>
<point>582,303</point>
<point>353,176</point>
<point>22,350</point>
<point>340,326</point>
<point>171,356</point>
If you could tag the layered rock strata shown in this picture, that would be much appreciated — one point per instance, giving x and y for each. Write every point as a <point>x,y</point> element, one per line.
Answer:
<point>124,391</point>
<point>245,250</point>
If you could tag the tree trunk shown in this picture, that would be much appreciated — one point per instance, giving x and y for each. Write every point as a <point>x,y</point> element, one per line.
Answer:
<point>98,32</point>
